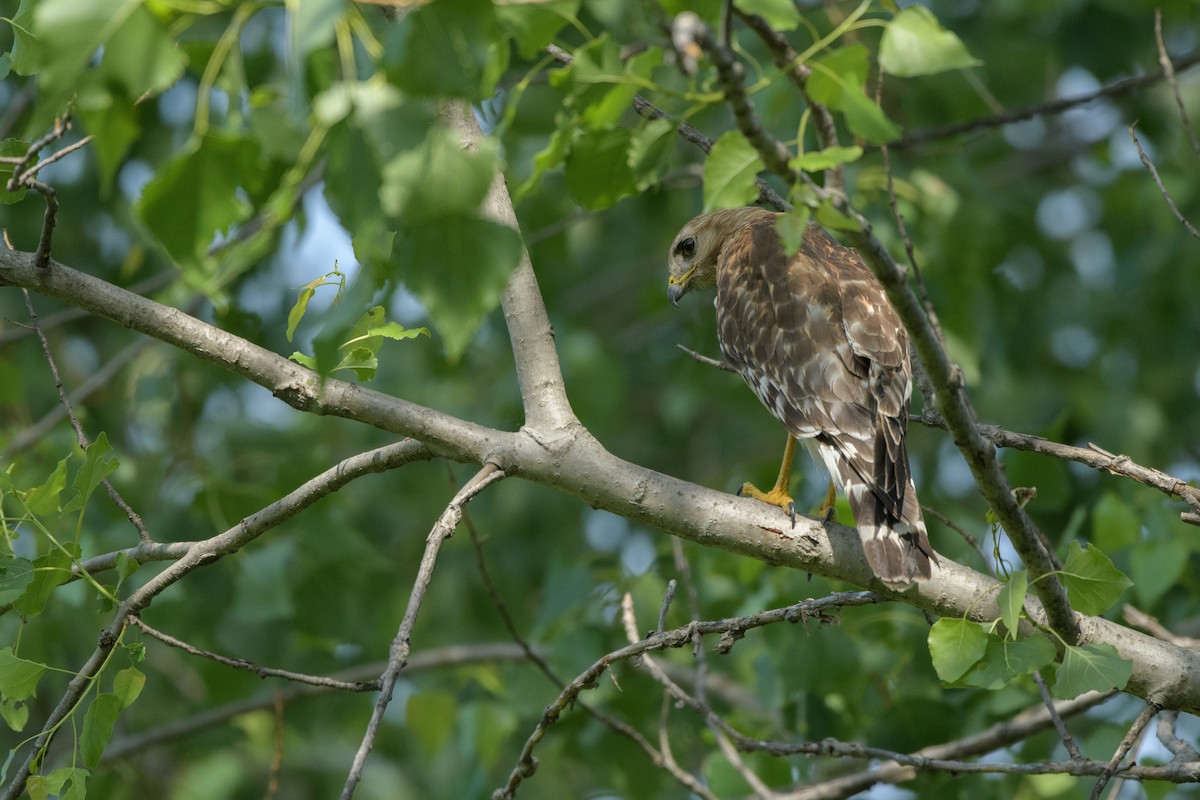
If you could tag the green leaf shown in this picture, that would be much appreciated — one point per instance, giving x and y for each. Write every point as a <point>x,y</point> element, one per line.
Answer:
<point>49,571</point>
<point>141,57</point>
<point>18,677</point>
<point>15,715</point>
<point>1007,659</point>
<point>956,645</point>
<point>533,25</point>
<point>846,65</point>
<point>780,14</point>
<point>1093,667</point>
<point>311,24</point>
<point>1093,583</point>
<point>458,267</point>
<point>27,51</point>
<point>16,576</point>
<point>98,463</point>
<point>730,172</point>
<point>430,715</point>
<point>649,150</point>
<point>597,171</point>
<point>113,125</point>
<point>70,32</point>
<point>8,149</point>
<point>827,158</point>
<point>914,43</point>
<point>301,306</point>
<point>126,566</point>
<point>1114,523</point>
<point>127,685</point>
<point>303,360</point>
<point>490,725</point>
<point>865,118</point>
<point>831,217</point>
<point>1157,564</point>
<point>438,178</point>
<point>791,228</point>
<point>552,155</point>
<point>449,48</point>
<point>64,783</point>
<point>43,500</point>
<point>598,84</point>
<point>195,196</point>
<point>362,360</point>
<point>391,330</point>
<point>1011,601</point>
<point>98,727</point>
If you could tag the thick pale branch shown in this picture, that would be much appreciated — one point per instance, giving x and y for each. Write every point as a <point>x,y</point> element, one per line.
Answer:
<point>295,385</point>
<point>543,392</point>
<point>579,465</point>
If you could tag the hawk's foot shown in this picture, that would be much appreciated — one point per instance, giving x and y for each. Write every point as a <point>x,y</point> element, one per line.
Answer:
<point>778,496</point>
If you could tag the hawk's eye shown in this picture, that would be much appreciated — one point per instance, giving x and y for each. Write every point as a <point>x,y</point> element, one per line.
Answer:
<point>687,247</point>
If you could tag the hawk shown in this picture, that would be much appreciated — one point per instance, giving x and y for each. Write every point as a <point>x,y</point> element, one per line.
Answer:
<point>817,340</point>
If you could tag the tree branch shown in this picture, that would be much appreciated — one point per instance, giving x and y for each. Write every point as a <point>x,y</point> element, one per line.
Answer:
<point>1042,109</point>
<point>428,661</point>
<point>1093,456</point>
<point>200,554</point>
<point>443,529</point>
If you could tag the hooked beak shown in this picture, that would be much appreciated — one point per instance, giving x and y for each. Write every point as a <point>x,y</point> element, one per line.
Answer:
<point>678,287</point>
<point>676,291</point>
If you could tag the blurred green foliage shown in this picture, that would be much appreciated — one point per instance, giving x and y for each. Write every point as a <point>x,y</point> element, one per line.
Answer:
<point>1064,285</point>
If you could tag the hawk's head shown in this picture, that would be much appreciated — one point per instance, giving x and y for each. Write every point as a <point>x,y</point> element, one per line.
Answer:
<point>696,251</point>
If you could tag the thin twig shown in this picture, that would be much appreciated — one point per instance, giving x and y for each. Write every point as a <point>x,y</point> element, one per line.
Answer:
<point>1060,726</point>
<point>909,250</point>
<point>134,518</point>
<point>438,660</point>
<point>257,669</point>
<point>199,554</point>
<point>50,159</point>
<point>677,637</point>
<point>1191,229</point>
<point>1168,71</point>
<point>650,666</point>
<point>443,529</point>
<point>1093,456</point>
<point>712,362</point>
<point>1181,750</point>
<point>1138,618</point>
<point>1041,110</point>
<point>952,525</point>
<point>1131,736</point>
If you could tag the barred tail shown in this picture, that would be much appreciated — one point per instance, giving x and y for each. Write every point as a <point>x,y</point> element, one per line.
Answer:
<point>889,521</point>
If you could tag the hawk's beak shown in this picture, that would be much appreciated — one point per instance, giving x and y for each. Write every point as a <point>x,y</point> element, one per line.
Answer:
<point>678,287</point>
<point>674,292</point>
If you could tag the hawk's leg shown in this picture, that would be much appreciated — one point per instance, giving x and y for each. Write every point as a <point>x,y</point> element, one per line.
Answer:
<point>778,495</point>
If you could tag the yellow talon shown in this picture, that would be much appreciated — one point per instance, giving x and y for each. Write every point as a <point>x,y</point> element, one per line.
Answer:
<point>828,509</point>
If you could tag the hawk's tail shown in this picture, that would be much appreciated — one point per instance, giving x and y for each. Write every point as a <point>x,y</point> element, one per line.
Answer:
<point>898,552</point>
<point>888,518</point>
